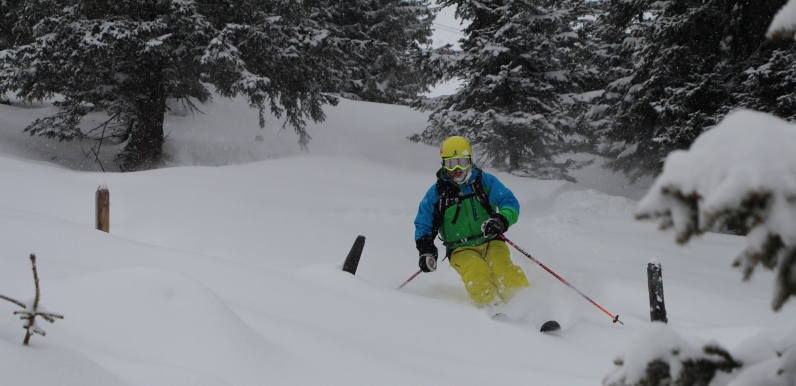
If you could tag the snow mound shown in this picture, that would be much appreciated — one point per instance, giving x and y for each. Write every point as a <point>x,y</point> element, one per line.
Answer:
<point>140,308</point>
<point>769,358</point>
<point>227,132</point>
<point>53,365</point>
<point>594,202</point>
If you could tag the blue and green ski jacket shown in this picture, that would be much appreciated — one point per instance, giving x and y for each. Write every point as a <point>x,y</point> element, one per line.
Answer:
<point>461,222</point>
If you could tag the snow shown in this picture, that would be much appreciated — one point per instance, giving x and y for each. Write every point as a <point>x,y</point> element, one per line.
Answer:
<point>224,268</point>
<point>784,23</point>
<point>590,96</point>
<point>447,30</point>
<point>747,152</point>
<point>656,341</point>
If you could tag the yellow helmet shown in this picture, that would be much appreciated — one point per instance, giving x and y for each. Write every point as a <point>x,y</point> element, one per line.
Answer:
<point>455,147</point>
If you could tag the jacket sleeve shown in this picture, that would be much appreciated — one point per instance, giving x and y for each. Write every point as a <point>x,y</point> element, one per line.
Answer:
<point>425,214</point>
<point>502,196</point>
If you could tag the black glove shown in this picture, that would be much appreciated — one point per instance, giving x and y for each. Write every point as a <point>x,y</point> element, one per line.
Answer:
<point>428,262</point>
<point>495,226</point>
<point>428,253</point>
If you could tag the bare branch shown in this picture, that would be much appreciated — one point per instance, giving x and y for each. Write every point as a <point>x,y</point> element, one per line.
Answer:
<point>36,281</point>
<point>17,302</point>
<point>103,125</point>
<point>97,146</point>
<point>29,315</point>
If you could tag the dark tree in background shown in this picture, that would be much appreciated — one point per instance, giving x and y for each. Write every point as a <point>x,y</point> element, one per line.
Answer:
<point>768,83</point>
<point>275,56</point>
<point>122,57</point>
<point>521,62</point>
<point>377,41</point>
<point>688,62</point>
<point>17,18</point>
<point>8,19</point>
<point>128,57</point>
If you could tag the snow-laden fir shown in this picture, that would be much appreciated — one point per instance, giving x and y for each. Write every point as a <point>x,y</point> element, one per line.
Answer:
<point>225,269</point>
<point>784,23</point>
<point>739,174</point>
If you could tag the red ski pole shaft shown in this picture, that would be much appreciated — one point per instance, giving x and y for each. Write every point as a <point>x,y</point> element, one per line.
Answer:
<point>410,278</point>
<point>615,318</point>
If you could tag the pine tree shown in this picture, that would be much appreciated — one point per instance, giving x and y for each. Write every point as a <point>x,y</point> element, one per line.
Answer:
<point>127,58</point>
<point>521,70</point>
<point>17,19</point>
<point>7,21</point>
<point>687,59</point>
<point>377,42</point>
<point>124,58</point>
<point>612,55</point>
<point>769,83</point>
<point>274,55</point>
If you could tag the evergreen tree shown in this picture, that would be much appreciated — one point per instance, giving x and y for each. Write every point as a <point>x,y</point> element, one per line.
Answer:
<point>124,58</point>
<point>687,60</point>
<point>612,55</point>
<point>769,83</point>
<point>521,66</point>
<point>127,57</point>
<point>7,21</point>
<point>276,56</point>
<point>17,19</point>
<point>378,41</point>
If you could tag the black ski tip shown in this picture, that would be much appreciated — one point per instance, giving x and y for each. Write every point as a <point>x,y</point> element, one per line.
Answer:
<point>550,326</point>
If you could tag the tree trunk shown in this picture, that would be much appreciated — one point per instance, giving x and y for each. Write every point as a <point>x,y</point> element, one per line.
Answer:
<point>145,149</point>
<point>515,156</point>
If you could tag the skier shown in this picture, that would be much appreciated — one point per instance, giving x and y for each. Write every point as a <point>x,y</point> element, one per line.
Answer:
<point>470,208</point>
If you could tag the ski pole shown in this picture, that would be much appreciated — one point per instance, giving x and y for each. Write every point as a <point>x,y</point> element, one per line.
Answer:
<point>419,271</point>
<point>615,318</point>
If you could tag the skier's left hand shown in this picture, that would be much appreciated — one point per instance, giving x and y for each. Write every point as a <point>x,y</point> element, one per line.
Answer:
<point>495,226</point>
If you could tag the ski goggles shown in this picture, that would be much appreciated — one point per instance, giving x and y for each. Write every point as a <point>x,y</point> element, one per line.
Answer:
<point>451,164</point>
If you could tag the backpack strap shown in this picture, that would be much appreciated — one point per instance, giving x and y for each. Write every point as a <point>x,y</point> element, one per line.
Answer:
<point>447,196</point>
<point>481,196</point>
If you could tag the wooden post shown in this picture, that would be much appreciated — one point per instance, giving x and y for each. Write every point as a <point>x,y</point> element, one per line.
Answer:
<point>655,284</point>
<point>103,199</point>
<point>352,261</point>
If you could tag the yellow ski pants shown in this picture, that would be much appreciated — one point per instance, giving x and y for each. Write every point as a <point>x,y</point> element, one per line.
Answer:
<point>487,272</point>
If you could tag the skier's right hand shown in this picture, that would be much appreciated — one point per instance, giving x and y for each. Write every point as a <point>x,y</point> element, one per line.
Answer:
<point>428,262</point>
<point>428,253</point>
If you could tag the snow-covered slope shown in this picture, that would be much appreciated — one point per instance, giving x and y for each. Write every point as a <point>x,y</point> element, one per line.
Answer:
<point>230,275</point>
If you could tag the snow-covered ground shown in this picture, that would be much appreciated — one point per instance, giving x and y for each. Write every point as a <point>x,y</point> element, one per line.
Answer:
<point>224,269</point>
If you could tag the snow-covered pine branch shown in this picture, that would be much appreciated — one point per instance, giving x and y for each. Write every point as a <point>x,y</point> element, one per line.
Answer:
<point>740,174</point>
<point>661,356</point>
<point>784,24</point>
